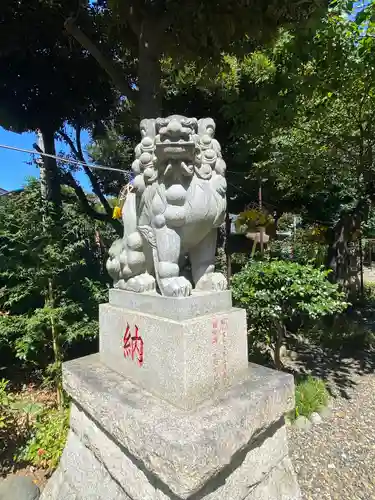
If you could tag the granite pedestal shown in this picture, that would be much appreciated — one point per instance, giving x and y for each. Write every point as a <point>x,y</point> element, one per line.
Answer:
<point>179,413</point>
<point>182,350</point>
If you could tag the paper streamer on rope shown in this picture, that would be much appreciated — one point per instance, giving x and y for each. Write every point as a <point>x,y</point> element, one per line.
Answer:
<point>117,211</point>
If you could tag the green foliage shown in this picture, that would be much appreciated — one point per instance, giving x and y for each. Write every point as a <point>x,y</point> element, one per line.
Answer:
<point>287,221</point>
<point>311,395</point>
<point>301,247</point>
<point>34,432</point>
<point>47,440</point>
<point>222,25</point>
<point>368,228</point>
<point>277,292</point>
<point>321,157</point>
<point>51,279</point>
<point>115,148</point>
<point>6,415</point>
<point>16,417</point>
<point>349,332</point>
<point>45,78</point>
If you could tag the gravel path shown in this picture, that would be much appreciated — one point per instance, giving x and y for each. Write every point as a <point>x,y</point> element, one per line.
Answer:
<point>336,459</point>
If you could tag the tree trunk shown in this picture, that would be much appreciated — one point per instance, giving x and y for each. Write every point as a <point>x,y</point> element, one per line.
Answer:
<point>49,173</point>
<point>338,257</point>
<point>42,170</point>
<point>56,348</point>
<point>149,73</point>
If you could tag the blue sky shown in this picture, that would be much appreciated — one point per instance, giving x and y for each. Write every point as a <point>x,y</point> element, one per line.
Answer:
<point>360,4</point>
<point>14,169</point>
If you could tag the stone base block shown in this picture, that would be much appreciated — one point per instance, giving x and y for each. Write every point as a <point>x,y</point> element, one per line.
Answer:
<point>183,362</point>
<point>124,443</point>
<point>176,308</point>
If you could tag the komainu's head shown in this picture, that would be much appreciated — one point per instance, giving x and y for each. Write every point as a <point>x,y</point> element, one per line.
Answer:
<point>176,146</point>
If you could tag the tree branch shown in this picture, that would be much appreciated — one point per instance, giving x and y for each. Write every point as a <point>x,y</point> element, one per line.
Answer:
<point>133,20</point>
<point>78,140</point>
<point>70,143</point>
<point>87,207</point>
<point>77,151</point>
<point>109,67</point>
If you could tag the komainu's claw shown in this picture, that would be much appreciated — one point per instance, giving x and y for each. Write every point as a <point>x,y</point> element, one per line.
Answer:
<point>176,287</point>
<point>212,282</point>
<point>140,284</point>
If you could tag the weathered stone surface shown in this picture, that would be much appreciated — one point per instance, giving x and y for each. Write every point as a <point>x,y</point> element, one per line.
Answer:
<point>176,308</point>
<point>178,201</point>
<point>119,464</point>
<point>80,475</point>
<point>247,468</point>
<point>59,487</point>
<point>280,484</point>
<point>181,449</point>
<point>183,362</point>
<point>243,475</point>
<point>18,488</point>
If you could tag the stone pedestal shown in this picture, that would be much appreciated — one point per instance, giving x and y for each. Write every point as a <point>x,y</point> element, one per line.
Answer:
<point>170,409</point>
<point>180,349</point>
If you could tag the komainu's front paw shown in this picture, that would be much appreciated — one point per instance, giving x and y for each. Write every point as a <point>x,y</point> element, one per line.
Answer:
<point>176,287</point>
<point>140,284</point>
<point>212,282</point>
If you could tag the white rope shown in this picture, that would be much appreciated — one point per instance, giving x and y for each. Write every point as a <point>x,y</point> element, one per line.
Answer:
<point>60,158</point>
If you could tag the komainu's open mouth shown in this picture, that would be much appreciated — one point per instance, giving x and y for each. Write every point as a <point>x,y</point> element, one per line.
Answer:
<point>175,149</point>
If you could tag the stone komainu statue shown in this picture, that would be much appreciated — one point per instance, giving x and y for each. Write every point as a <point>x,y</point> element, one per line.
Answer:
<point>177,204</point>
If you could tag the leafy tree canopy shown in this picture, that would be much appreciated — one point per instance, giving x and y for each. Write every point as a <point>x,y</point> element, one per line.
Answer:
<point>190,31</point>
<point>45,77</point>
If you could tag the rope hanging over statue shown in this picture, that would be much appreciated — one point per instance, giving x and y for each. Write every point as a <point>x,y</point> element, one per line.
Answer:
<point>125,190</point>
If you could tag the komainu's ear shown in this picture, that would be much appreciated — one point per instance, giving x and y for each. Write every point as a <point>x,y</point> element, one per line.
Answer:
<point>147,128</point>
<point>206,126</point>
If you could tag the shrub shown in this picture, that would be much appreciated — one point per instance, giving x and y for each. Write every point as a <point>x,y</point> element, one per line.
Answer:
<point>52,278</point>
<point>347,332</point>
<point>311,395</point>
<point>7,420</point>
<point>306,246</point>
<point>16,419</point>
<point>47,441</point>
<point>276,292</point>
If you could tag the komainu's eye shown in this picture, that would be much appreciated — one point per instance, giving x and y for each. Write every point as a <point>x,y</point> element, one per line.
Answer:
<point>161,122</point>
<point>190,122</point>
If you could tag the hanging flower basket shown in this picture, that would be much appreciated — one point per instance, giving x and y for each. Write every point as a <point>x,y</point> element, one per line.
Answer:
<point>253,220</point>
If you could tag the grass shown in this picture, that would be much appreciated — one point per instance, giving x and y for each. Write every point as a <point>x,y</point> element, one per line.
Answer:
<point>311,396</point>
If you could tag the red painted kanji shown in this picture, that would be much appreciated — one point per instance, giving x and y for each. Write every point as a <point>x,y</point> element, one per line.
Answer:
<point>127,342</point>
<point>133,345</point>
